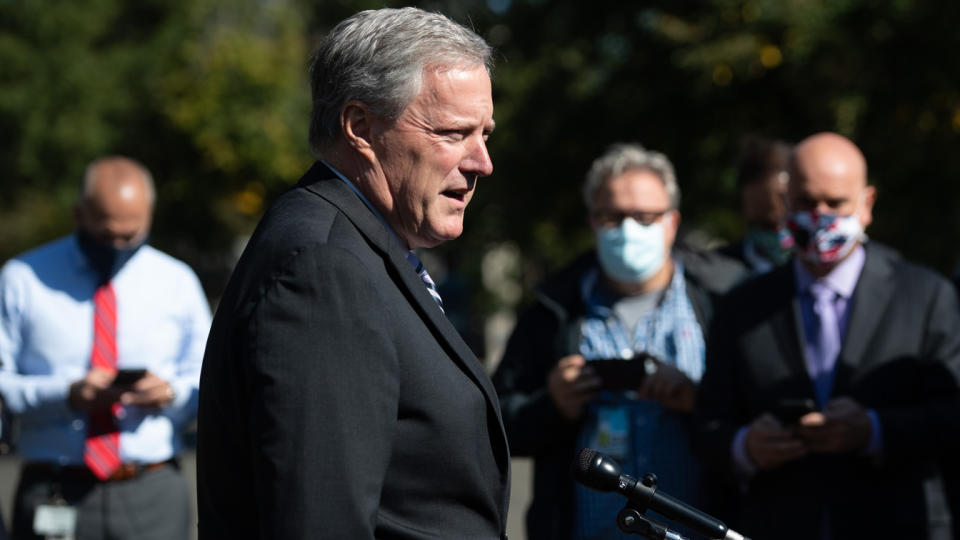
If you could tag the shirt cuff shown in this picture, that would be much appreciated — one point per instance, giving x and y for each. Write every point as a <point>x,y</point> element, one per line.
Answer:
<point>47,397</point>
<point>55,391</point>
<point>742,464</point>
<point>875,446</point>
<point>182,392</point>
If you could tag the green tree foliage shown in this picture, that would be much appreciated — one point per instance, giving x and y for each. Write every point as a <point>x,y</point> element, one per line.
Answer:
<point>692,78</point>
<point>212,95</point>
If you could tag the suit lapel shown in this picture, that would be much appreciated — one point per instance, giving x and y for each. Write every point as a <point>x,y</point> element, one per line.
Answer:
<point>787,324</point>
<point>340,195</point>
<point>449,339</point>
<point>871,296</point>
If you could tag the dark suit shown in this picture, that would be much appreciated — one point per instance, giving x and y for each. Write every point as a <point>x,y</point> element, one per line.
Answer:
<point>336,400</point>
<point>901,357</point>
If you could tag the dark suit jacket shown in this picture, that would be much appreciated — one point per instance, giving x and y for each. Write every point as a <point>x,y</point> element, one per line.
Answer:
<point>901,357</point>
<point>336,400</point>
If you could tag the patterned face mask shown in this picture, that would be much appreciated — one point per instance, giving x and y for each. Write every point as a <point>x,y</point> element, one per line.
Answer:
<point>774,245</point>
<point>824,238</point>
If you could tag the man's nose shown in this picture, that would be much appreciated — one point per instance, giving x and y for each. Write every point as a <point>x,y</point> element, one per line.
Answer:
<point>824,208</point>
<point>119,240</point>
<point>478,160</point>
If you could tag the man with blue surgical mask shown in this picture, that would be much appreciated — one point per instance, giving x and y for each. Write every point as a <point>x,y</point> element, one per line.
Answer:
<point>833,381</point>
<point>636,304</point>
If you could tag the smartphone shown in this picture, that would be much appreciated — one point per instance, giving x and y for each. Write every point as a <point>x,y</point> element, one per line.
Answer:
<point>126,377</point>
<point>623,374</point>
<point>789,411</point>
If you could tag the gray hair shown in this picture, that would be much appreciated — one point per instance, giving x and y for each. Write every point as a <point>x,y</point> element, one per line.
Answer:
<point>378,57</point>
<point>118,166</point>
<point>622,157</point>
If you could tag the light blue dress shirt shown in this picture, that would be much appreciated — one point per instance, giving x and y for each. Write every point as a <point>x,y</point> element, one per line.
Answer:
<point>46,335</point>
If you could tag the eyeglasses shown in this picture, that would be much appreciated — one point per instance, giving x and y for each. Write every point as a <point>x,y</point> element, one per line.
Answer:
<point>613,218</point>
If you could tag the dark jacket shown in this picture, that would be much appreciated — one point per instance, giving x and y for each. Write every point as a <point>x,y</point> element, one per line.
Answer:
<point>900,357</point>
<point>336,399</point>
<point>547,332</point>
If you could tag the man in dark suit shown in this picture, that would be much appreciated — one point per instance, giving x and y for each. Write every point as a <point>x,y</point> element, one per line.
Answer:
<point>867,339</point>
<point>337,400</point>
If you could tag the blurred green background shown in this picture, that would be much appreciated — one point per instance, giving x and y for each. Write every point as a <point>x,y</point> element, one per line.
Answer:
<point>213,97</point>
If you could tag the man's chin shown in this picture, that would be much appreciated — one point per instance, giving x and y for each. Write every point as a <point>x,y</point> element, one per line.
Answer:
<point>436,237</point>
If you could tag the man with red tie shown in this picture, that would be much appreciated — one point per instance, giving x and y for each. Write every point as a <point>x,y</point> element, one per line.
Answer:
<point>101,339</point>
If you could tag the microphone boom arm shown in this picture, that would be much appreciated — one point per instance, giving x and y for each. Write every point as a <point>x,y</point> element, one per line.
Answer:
<point>601,473</point>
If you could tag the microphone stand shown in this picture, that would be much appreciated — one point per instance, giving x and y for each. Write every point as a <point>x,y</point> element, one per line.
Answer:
<point>632,518</point>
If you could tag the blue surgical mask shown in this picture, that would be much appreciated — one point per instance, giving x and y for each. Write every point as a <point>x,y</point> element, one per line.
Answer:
<point>631,252</point>
<point>105,259</point>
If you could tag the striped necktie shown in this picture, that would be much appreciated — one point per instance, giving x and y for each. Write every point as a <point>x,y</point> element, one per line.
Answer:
<point>102,449</point>
<point>425,277</point>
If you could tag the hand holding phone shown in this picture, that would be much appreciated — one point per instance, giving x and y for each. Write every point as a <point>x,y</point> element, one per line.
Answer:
<point>127,377</point>
<point>769,445</point>
<point>571,384</point>
<point>624,374</point>
<point>789,410</point>
<point>844,426</point>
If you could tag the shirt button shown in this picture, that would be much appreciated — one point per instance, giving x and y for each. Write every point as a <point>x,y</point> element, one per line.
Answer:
<point>78,424</point>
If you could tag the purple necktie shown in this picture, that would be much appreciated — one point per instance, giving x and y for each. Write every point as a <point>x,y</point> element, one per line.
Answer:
<point>825,345</point>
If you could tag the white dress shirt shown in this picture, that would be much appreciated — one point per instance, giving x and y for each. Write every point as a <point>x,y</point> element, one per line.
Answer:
<point>46,335</point>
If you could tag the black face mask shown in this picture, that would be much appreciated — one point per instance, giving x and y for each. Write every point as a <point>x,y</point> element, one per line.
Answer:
<point>104,258</point>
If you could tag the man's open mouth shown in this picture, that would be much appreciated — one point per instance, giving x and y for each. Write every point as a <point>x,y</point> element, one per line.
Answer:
<point>458,194</point>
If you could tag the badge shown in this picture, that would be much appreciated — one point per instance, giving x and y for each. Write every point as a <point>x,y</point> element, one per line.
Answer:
<point>613,432</point>
<point>58,521</point>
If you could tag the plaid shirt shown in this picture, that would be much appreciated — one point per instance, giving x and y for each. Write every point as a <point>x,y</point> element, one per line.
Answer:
<point>640,434</point>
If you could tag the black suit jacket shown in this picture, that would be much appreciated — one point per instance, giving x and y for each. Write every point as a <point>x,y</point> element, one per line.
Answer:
<point>901,357</point>
<point>336,399</point>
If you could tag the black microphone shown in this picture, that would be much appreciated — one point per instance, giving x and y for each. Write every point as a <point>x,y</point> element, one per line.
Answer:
<point>601,473</point>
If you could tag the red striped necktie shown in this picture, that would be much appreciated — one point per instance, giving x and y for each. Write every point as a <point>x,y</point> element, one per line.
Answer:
<point>102,450</point>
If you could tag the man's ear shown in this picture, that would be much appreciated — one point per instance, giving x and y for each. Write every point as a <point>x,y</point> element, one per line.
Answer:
<point>866,211</point>
<point>672,227</point>
<point>356,124</point>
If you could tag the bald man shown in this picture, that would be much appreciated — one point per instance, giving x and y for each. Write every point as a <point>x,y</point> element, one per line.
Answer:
<point>832,380</point>
<point>101,340</point>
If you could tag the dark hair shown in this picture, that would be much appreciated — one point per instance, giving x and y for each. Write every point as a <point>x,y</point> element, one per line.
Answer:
<point>759,158</point>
